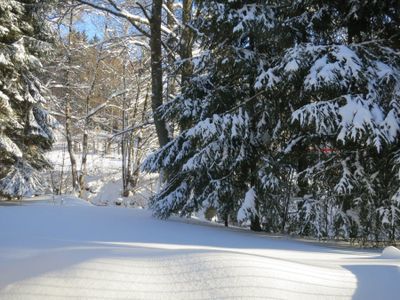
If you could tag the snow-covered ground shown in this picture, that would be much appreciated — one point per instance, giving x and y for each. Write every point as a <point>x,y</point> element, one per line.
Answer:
<point>68,249</point>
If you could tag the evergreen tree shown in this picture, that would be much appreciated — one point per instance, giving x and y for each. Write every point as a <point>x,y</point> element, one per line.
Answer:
<point>292,117</point>
<point>214,160</point>
<point>339,73</point>
<point>25,127</point>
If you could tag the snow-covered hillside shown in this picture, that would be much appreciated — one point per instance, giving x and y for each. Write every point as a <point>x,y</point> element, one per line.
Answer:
<point>59,251</point>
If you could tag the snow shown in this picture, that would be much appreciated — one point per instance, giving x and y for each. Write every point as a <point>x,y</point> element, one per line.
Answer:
<point>19,49</point>
<point>356,115</point>
<point>4,31</point>
<point>3,61</point>
<point>391,253</point>
<point>7,145</point>
<point>292,66</point>
<point>383,69</point>
<point>70,251</point>
<point>21,180</point>
<point>251,13</point>
<point>345,64</point>
<point>248,207</point>
<point>3,96</point>
<point>267,78</point>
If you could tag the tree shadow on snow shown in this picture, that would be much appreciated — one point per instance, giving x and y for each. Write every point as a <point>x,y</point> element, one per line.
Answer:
<point>376,281</point>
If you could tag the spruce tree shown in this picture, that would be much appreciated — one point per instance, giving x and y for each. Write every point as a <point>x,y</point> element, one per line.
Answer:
<point>25,126</point>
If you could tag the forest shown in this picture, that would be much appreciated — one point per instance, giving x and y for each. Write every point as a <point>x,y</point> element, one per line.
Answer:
<point>278,116</point>
<point>199,149</point>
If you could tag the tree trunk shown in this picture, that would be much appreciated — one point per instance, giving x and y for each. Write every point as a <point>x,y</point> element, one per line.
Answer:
<point>62,172</point>
<point>83,171</point>
<point>156,72</point>
<point>124,145</point>
<point>187,41</point>
<point>255,223</point>
<point>135,168</point>
<point>68,136</point>
<point>68,132</point>
<point>171,60</point>
<point>287,200</point>
<point>85,139</point>
<point>255,219</point>
<point>171,80</point>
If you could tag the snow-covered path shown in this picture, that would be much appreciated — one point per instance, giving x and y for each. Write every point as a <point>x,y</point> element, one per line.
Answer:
<point>86,252</point>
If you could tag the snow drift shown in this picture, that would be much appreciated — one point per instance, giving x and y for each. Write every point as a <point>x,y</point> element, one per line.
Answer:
<point>391,253</point>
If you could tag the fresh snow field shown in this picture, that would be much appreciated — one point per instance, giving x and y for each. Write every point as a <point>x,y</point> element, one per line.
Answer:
<point>72,250</point>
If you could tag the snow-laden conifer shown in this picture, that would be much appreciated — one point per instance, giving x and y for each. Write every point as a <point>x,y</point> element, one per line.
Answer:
<point>298,101</point>
<point>25,127</point>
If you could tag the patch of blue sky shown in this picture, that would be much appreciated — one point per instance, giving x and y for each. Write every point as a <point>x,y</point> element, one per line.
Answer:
<point>92,25</point>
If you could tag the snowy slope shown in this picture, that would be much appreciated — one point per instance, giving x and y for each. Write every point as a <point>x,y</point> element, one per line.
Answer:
<point>88,252</point>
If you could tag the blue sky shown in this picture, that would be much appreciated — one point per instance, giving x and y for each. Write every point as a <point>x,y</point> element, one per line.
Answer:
<point>91,25</point>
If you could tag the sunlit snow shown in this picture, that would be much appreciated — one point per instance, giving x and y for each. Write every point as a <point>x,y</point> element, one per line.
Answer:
<point>64,250</point>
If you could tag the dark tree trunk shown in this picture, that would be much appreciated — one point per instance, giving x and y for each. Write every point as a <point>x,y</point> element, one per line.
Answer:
<point>255,223</point>
<point>156,72</point>
<point>226,221</point>
<point>252,167</point>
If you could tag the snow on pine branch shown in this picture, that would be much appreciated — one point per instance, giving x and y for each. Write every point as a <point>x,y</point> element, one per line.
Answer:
<point>214,134</point>
<point>340,65</point>
<point>9,147</point>
<point>357,76</point>
<point>337,65</point>
<point>251,14</point>
<point>346,182</point>
<point>21,180</point>
<point>173,200</point>
<point>326,65</point>
<point>323,115</point>
<point>248,208</point>
<point>357,119</point>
